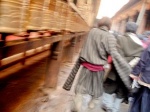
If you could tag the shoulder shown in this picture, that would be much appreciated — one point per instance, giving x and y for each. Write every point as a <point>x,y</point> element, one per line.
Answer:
<point>110,36</point>
<point>101,32</point>
<point>121,38</point>
<point>94,30</point>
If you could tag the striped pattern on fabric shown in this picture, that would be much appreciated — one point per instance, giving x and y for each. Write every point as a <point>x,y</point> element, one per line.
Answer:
<point>120,63</point>
<point>95,49</point>
<point>99,44</point>
<point>90,83</point>
<point>68,84</point>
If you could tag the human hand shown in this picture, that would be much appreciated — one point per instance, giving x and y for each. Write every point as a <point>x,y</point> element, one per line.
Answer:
<point>135,84</point>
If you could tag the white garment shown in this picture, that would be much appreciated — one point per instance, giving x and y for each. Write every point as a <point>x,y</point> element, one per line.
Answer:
<point>135,38</point>
<point>116,106</point>
<point>108,100</point>
<point>111,102</point>
<point>134,61</point>
<point>135,84</point>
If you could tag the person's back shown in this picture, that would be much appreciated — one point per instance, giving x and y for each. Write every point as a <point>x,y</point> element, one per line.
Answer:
<point>114,84</point>
<point>129,47</point>
<point>93,56</point>
<point>130,44</point>
<point>95,49</point>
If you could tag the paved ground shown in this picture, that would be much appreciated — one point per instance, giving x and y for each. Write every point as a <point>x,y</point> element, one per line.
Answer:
<point>22,92</point>
<point>59,100</point>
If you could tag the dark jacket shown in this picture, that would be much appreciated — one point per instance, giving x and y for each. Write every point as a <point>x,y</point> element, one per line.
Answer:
<point>142,69</point>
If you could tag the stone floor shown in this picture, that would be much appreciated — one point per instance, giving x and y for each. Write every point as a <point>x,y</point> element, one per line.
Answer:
<point>22,91</point>
<point>58,100</point>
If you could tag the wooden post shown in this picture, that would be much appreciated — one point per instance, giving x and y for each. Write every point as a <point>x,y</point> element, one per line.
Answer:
<point>3,43</point>
<point>82,39</point>
<point>80,42</point>
<point>77,44</point>
<point>53,65</point>
<point>24,54</point>
<point>3,37</point>
<point>142,12</point>
<point>70,50</point>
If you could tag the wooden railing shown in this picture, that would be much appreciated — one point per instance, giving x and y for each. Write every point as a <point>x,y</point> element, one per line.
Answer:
<point>61,47</point>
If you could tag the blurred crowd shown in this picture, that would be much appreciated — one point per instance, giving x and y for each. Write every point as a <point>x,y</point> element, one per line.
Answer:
<point>115,69</point>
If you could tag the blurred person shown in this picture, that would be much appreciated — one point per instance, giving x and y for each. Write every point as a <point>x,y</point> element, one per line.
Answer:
<point>141,76</point>
<point>130,48</point>
<point>147,35</point>
<point>93,56</point>
<point>145,38</point>
<point>115,33</point>
<point>113,85</point>
<point>108,66</point>
<point>142,37</point>
<point>147,41</point>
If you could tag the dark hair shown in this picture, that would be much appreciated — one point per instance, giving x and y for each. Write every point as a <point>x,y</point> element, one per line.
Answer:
<point>131,27</point>
<point>105,21</point>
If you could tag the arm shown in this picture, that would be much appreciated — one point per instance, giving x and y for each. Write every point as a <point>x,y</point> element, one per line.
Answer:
<point>141,64</point>
<point>121,65</point>
<point>138,68</point>
<point>120,49</point>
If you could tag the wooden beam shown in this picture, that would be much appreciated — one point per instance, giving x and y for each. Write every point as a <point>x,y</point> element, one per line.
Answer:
<point>17,47</point>
<point>53,65</point>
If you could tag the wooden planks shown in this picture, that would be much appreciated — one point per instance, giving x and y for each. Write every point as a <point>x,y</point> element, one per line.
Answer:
<point>23,46</point>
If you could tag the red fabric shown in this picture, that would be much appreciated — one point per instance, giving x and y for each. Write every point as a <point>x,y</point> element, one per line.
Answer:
<point>91,67</point>
<point>109,59</point>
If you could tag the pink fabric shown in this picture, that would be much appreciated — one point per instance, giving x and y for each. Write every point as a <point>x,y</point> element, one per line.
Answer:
<point>144,45</point>
<point>109,59</point>
<point>91,67</point>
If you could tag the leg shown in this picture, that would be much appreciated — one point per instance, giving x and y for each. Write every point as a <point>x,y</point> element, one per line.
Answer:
<point>145,103</point>
<point>110,87</point>
<point>81,102</point>
<point>107,101</point>
<point>136,104</point>
<point>118,100</point>
<point>120,94</point>
<point>117,103</point>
